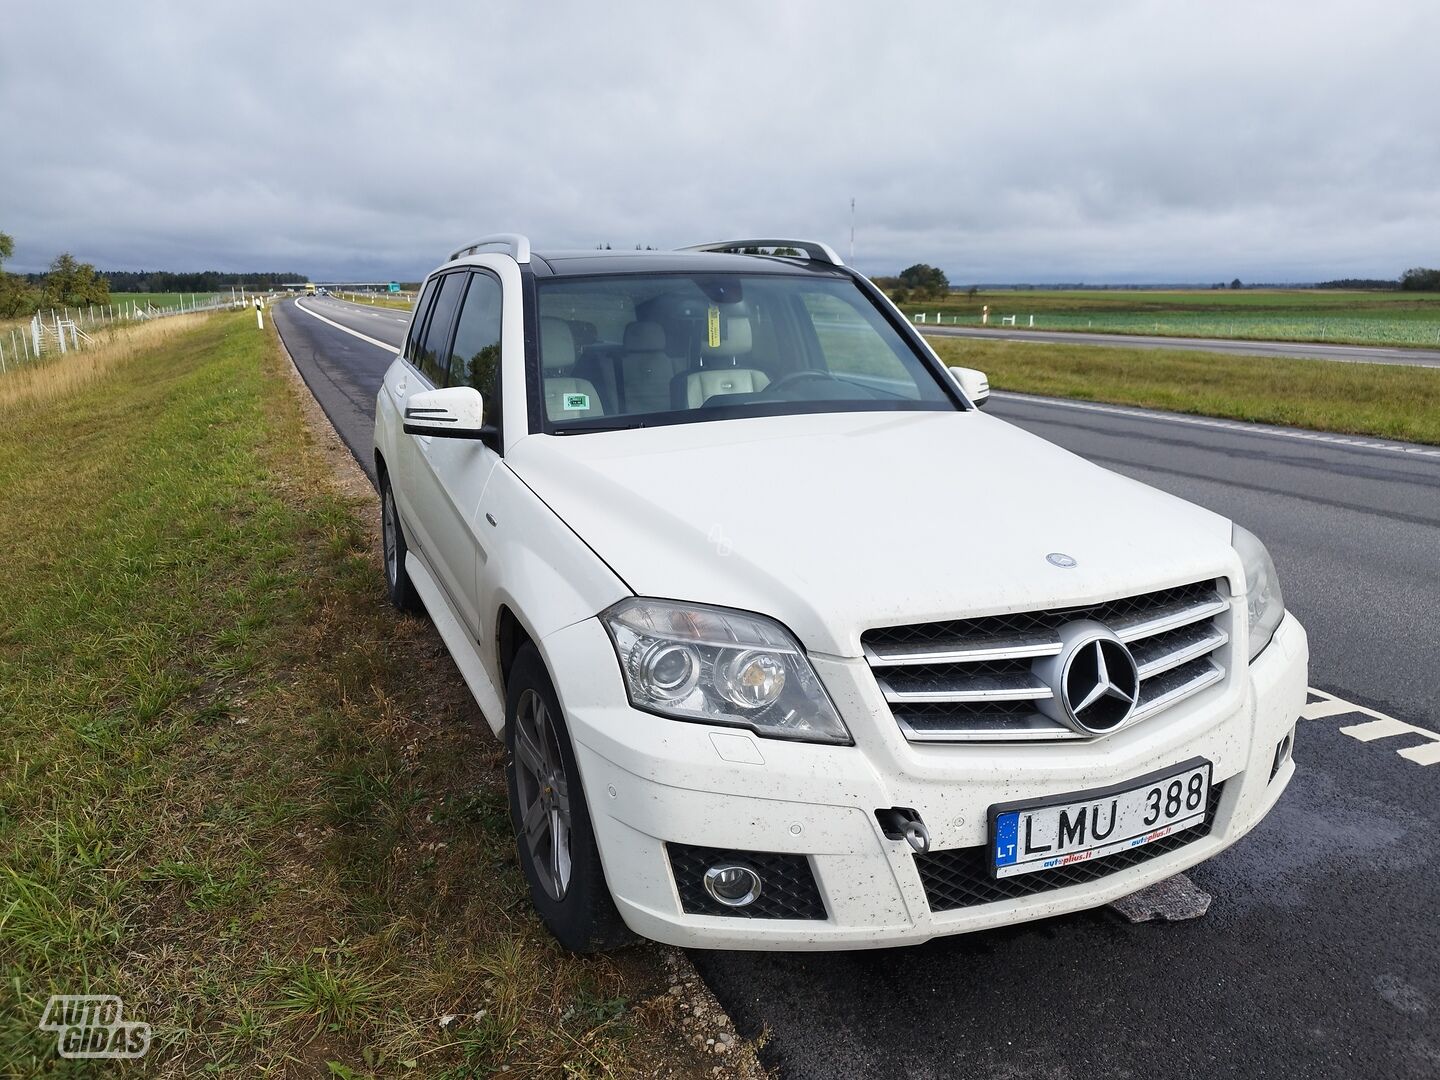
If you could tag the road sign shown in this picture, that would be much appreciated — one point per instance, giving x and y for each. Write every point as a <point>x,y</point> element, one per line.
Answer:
<point>394,286</point>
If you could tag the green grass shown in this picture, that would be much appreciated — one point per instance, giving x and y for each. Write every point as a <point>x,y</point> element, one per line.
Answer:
<point>1359,399</point>
<point>404,303</point>
<point>238,790</point>
<point>1341,316</point>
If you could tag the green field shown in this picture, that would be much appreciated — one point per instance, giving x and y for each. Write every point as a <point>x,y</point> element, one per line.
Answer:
<point>1388,400</point>
<point>1342,316</point>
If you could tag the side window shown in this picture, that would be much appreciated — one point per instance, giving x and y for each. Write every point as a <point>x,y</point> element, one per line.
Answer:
<point>475,356</point>
<point>417,327</point>
<point>434,361</point>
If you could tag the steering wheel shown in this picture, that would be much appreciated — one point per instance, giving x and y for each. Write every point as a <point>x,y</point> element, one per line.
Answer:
<point>798,376</point>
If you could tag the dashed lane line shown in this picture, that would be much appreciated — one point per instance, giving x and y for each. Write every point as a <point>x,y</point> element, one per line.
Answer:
<point>1378,726</point>
<point>1226,425</point>
<point>353,333</point>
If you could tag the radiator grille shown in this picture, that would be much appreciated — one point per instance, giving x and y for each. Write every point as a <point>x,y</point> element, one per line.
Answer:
<point>975,679</point>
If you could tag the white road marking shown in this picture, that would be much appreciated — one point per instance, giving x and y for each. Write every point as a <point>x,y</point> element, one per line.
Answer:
<point>1227,425</point>
<point>1376,729</point>
<point>1379,726</point>
<point>1428,754</point>
<point>353,333</point>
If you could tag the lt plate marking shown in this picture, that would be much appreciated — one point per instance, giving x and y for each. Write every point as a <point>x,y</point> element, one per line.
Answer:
<point>1379,726</point>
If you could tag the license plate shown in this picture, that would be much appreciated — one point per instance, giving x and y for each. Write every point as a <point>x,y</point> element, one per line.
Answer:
<point>1043,834</point>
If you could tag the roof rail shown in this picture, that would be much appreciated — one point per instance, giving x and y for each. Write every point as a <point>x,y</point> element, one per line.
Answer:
<point>813,249</point>
<point>516,245</point>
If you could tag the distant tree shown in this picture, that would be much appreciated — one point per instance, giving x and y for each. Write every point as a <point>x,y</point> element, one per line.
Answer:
<point>1236,284</point>
<point>1420,279</point>
<point>970,292</point>
<point>926,282</point>
<point>73,284</point>
<point>16,296</point>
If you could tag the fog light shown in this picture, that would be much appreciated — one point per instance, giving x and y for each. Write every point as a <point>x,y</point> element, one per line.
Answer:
<point>732,884</point>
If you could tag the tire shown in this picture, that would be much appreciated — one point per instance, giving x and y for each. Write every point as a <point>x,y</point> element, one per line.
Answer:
<point>392,554</point>
<point>567,882</point>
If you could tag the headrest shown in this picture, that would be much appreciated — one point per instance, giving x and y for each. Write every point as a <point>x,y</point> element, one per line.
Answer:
<point>644,337</point>
<point>736,340</point>
<point>557,345</point>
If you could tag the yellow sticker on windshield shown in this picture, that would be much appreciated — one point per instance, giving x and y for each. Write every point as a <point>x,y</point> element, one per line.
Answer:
<point>714,327</point>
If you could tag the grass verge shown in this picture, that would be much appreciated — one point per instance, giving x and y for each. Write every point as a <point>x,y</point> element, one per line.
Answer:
<point>402,303</point>
<point>237,790</point>
<point>1357,399</point>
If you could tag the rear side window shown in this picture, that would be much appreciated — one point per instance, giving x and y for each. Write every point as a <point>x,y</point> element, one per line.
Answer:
<point>475,356</point>
<point>417,326</point>
<point>434,361</point>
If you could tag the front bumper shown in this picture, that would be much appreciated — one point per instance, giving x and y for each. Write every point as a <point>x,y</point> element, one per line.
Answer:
<point>650,782</point>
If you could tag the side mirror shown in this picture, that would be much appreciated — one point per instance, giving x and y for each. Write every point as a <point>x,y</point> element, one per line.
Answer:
<point>974,383</point>
<point>456,412</point>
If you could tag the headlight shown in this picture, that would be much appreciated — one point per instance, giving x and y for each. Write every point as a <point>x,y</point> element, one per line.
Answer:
<point>1266,607</point>
<point>717,666</point>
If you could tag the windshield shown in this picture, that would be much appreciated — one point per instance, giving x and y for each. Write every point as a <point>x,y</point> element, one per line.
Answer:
<point>643,350</point>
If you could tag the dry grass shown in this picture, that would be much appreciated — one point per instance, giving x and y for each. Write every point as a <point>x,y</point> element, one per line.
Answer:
<point>60,375</point>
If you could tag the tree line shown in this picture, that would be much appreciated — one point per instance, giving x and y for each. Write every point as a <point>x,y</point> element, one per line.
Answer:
<point>918,282</point>
<point>203,281</point>
<point>71,283</point>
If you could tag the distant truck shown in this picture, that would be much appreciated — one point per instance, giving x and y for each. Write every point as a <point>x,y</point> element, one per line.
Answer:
<point>309,288</point>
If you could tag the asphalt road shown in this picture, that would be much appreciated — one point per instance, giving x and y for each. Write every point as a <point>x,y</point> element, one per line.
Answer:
<point>1354,354</point>
<point>1320,954</point>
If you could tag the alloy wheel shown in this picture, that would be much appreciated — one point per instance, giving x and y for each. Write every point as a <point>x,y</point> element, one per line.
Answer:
<point>543,792</point>
<point>387,529</point>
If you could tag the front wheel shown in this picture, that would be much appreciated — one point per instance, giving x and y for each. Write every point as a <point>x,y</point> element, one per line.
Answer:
<point>392,549</point>
<point>552,823</point>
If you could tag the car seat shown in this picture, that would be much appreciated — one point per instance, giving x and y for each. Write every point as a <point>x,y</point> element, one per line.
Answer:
<point>719,372</point>
<point>566,397</point>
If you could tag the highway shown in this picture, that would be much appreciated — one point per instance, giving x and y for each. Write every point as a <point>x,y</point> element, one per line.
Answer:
<point>1320,953</point>
<point>1353,354</point>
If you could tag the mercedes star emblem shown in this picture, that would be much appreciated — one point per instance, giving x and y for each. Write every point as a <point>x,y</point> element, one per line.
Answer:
<point>1101,684</point>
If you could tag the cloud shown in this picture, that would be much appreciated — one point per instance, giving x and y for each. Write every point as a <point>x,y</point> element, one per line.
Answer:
<point>1095,141</point>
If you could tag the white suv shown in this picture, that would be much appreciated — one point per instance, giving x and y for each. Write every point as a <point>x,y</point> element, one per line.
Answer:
<point>791,646</point>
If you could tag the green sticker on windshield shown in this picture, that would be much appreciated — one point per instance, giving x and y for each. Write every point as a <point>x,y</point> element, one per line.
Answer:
<point>577,402</point>
<point>713,325</point>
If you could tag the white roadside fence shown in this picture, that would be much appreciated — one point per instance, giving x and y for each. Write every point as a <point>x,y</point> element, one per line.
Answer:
<point>65,330</point>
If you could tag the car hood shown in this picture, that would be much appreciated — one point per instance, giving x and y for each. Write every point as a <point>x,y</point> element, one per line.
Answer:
<point>834,523</point>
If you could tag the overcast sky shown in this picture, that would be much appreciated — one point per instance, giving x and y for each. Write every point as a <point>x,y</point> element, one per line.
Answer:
<point>1085,141</point>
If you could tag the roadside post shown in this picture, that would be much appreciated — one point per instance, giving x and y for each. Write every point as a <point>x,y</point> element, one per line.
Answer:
<point>985,315</point>
<point>259,316</point>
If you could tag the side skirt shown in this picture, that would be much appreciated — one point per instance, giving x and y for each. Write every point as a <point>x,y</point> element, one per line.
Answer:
<point>457,640</point>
